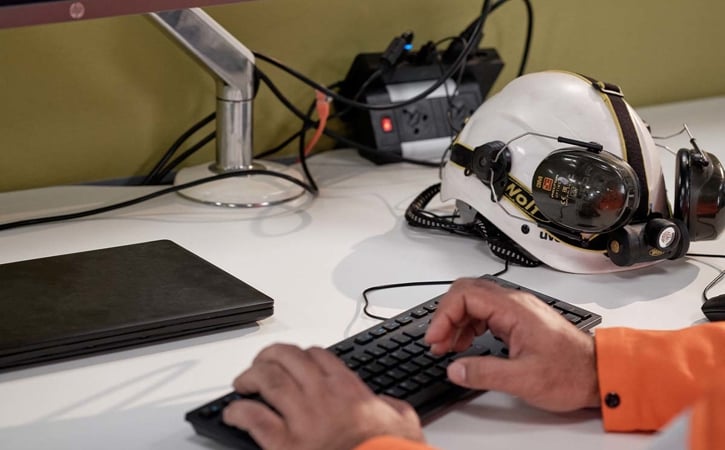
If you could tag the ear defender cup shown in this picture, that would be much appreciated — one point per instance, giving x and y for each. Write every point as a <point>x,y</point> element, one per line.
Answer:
<point>491,163</point>
<point>683,187</point>
<point>699,194</point>
<point>585,191</point>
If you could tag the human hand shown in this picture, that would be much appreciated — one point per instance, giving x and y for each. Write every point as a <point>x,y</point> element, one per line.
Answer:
<point>318,403</point>
<point>551,363</point>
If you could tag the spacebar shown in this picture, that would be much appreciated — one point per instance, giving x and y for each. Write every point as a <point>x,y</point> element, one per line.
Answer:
<point>434,395</point>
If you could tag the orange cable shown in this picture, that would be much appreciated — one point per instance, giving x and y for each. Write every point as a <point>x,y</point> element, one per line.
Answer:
<point>323,112</point>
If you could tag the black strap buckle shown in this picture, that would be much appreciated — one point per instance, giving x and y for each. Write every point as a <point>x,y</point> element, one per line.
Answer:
<point>609,89</point>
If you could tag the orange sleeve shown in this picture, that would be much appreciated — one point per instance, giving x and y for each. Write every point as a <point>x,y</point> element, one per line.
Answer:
<point>392,443</point>
<point>648,377</point>
<point>706,430</point>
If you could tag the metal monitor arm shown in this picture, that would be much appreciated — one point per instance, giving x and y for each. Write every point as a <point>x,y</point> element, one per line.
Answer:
<point>232,66</point>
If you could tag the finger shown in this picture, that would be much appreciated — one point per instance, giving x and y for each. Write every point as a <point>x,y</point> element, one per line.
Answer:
<point>451,312</point>
<point>266,427</point>
<point>295,360</point>
<point>460,340</point>
<point>338,379</point>
<point>274,383</point>
<point>487,373</point>
<point>328,362</point>
<point>470,300</point>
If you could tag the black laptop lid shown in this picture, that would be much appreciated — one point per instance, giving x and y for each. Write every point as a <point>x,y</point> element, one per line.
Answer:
<point>92,301</point>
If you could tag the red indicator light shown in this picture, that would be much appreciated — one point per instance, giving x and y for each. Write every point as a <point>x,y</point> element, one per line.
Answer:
<point>386,123</point>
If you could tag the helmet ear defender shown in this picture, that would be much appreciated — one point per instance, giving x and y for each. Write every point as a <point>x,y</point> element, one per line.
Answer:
<point>491,163</point>
<point>698,202</point>
<point>579,207</point>
<point>700,193</point>
<point>587,190</point>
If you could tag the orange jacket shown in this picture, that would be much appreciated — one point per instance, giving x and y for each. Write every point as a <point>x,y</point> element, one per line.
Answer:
<point>646,378</point>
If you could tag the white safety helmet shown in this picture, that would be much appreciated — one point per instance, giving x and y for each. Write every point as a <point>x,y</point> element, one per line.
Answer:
<point>564,168</point>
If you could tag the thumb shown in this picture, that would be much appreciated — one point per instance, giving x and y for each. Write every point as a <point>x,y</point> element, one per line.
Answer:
<point>485,373</point>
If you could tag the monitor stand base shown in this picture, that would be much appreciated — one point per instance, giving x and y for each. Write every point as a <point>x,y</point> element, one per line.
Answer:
<point>243,191</point>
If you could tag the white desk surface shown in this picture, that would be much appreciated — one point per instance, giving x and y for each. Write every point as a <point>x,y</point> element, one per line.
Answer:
<point>314,258</point>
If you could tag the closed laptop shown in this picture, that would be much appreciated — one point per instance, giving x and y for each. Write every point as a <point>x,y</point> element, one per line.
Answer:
<point>101,300</point>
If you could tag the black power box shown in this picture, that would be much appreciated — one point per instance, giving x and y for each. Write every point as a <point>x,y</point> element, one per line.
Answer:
<point>424,129</point>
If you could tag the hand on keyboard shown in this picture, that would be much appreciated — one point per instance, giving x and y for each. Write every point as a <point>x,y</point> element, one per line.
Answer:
<point>324,395</point>
<point>551,364</point>
<point>318,403</point>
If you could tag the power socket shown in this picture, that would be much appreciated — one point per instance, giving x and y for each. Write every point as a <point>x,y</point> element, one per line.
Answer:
<point>424,129</point>
<point>417,121</point>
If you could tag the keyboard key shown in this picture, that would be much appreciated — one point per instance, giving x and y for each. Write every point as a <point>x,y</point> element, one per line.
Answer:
<point>414,349</point>
<point>572,318</point>
<point>409,367</point>
<point>383,381</point>
<point>397,374</point>
<point>378,332</point>
<point>388,361</point>
<point>376,351</point>
<point>418,313</point>
<point>402,339</point>
<point>405,320</point>
<point>401,355</point>
<point>363,358</point>
<point>364,339</point>
<point>343,348</point>
<point>423,361</point>
<point>388,345</point>
<point>422,379</point>
<point>396,392</point>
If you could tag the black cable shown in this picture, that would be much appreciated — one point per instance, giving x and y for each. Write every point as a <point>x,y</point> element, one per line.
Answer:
<point>175,146</point>
<point>529,33</point>
<point>366,301</point>
<point>716,279</point>
<point>279,146</point>
<point>498,243</point>
<point>182,157</point>
<point>710,285</point>
<point>280,96</point>
<point>158,173</point>
<point>393,286</point>
<point>355,104</point>
<point>337,137</point>
<point>205,140</point>
<point>301,150</point>
<point>143,198</point>
<point>363,87</point>
<point>504,270</point>
<point>417,216</point>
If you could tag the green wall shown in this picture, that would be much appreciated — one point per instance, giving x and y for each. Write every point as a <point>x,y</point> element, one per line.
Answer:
<point>104,98</point>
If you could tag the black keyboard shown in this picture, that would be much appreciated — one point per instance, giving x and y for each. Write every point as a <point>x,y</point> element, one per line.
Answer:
<point>392,358</point>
